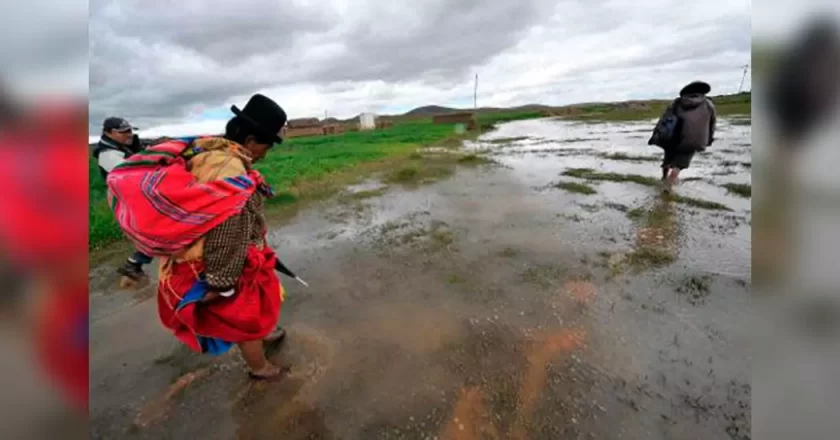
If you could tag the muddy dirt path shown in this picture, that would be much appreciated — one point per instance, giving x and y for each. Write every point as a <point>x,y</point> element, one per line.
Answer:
<point>488,305</point>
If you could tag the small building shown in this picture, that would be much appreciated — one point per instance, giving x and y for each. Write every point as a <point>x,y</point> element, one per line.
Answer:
<point>303,127</point>
<point>466,118</point>
<point>367,121</point>
<point>301,132</point>
<point>335,128</point>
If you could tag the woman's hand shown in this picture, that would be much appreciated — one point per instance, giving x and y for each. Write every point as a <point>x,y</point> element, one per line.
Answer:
<point>213,295</point>
<point>210,296</point>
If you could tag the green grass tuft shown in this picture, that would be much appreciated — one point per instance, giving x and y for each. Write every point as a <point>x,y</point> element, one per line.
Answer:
<point>741,189</point>
<point>576,187</point>
<point>590,174</point>
<point>699,203</point>
<point>473,159</point>
<point>630,157</point>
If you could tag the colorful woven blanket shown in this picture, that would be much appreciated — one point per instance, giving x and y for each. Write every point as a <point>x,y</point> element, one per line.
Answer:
<point>163,209</point>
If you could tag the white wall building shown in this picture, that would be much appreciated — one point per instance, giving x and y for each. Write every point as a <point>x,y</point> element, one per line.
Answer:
<point>367,121</point>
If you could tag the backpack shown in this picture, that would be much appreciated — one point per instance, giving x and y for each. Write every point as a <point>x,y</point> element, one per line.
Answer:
<point>666,133</point>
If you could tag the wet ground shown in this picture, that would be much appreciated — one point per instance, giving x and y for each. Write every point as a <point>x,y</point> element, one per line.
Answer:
<point>491,304</point>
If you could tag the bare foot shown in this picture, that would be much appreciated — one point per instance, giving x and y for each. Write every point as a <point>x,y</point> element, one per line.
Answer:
<point>269,372</point>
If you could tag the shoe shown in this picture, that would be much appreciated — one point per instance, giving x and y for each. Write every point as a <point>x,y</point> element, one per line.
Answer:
<point>133,271</point>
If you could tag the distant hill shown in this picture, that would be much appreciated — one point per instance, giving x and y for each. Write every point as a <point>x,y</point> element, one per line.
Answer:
<point>430,110</point>
<point>740,102</point>
<point>531,107</point>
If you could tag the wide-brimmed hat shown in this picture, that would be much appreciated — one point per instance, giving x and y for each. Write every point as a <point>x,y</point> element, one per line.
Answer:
<point>700,87</point>
<point>263,114</point>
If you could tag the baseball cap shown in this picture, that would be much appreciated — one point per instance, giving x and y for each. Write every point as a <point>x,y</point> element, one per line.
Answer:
<point>115,123</point>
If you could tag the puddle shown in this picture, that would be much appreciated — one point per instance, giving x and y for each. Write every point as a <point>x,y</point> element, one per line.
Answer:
<point>365,186</point>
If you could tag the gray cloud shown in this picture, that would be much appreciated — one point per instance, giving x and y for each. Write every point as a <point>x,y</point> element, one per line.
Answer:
<point>155,61</point>
<point>136,51</point>
<point>224,31</point>
<point>697,42</point>
<point>446,40</point>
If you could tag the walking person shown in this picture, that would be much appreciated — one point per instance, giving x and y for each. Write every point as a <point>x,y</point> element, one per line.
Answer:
<point>686,127</point>
<point>117,143</point>
<point>205,219</point>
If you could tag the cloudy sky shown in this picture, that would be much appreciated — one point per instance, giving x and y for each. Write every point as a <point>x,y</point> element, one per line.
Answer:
<point>43,49</point>
<point>176,67</point>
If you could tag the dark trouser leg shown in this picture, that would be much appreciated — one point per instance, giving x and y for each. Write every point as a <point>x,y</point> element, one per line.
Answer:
<point>133,267</point>
<point>681,162</point>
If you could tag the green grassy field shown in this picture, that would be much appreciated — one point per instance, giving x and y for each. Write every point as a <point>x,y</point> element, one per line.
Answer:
<point>726,105</point>
<point>311,166</point>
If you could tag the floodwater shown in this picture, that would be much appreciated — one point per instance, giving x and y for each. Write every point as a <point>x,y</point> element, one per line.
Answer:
<point>488,305</point>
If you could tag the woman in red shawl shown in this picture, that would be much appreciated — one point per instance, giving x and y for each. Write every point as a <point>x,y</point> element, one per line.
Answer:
<point>223,290</point>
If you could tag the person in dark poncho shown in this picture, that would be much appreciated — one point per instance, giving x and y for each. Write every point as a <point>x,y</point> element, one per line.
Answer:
<point>695,131</point>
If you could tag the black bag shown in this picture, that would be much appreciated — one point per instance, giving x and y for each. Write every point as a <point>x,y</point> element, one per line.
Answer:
<point>666,133</point>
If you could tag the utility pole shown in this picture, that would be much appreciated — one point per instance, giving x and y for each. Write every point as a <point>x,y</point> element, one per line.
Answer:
<point>475,93</point>
<point>743,77</point>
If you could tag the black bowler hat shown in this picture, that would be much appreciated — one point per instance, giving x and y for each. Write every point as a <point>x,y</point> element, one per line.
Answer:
<point>696,87</point>
<point>264,115</point>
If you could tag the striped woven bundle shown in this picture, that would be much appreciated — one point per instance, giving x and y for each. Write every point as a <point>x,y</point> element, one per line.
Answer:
<point>162,208</point>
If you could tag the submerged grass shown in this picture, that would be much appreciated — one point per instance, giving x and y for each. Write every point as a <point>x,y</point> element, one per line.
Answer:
<point>576,187</point>
<point>474,159</point>
<point>414,174</point>
<point>696,288</point>
<point>630,157</point>
<point>543,275</point>
<point>636,214</point>
<point>656,237</point>
<point>507,140</point>
<point>645,257</point>
<point>590,174</point>
<point>432,237</point>
<point>361,195</point>
<point>741,189</point>
<point>699,203</point>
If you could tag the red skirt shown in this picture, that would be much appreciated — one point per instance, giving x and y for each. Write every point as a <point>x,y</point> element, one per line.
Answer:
<point>251,313</point>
